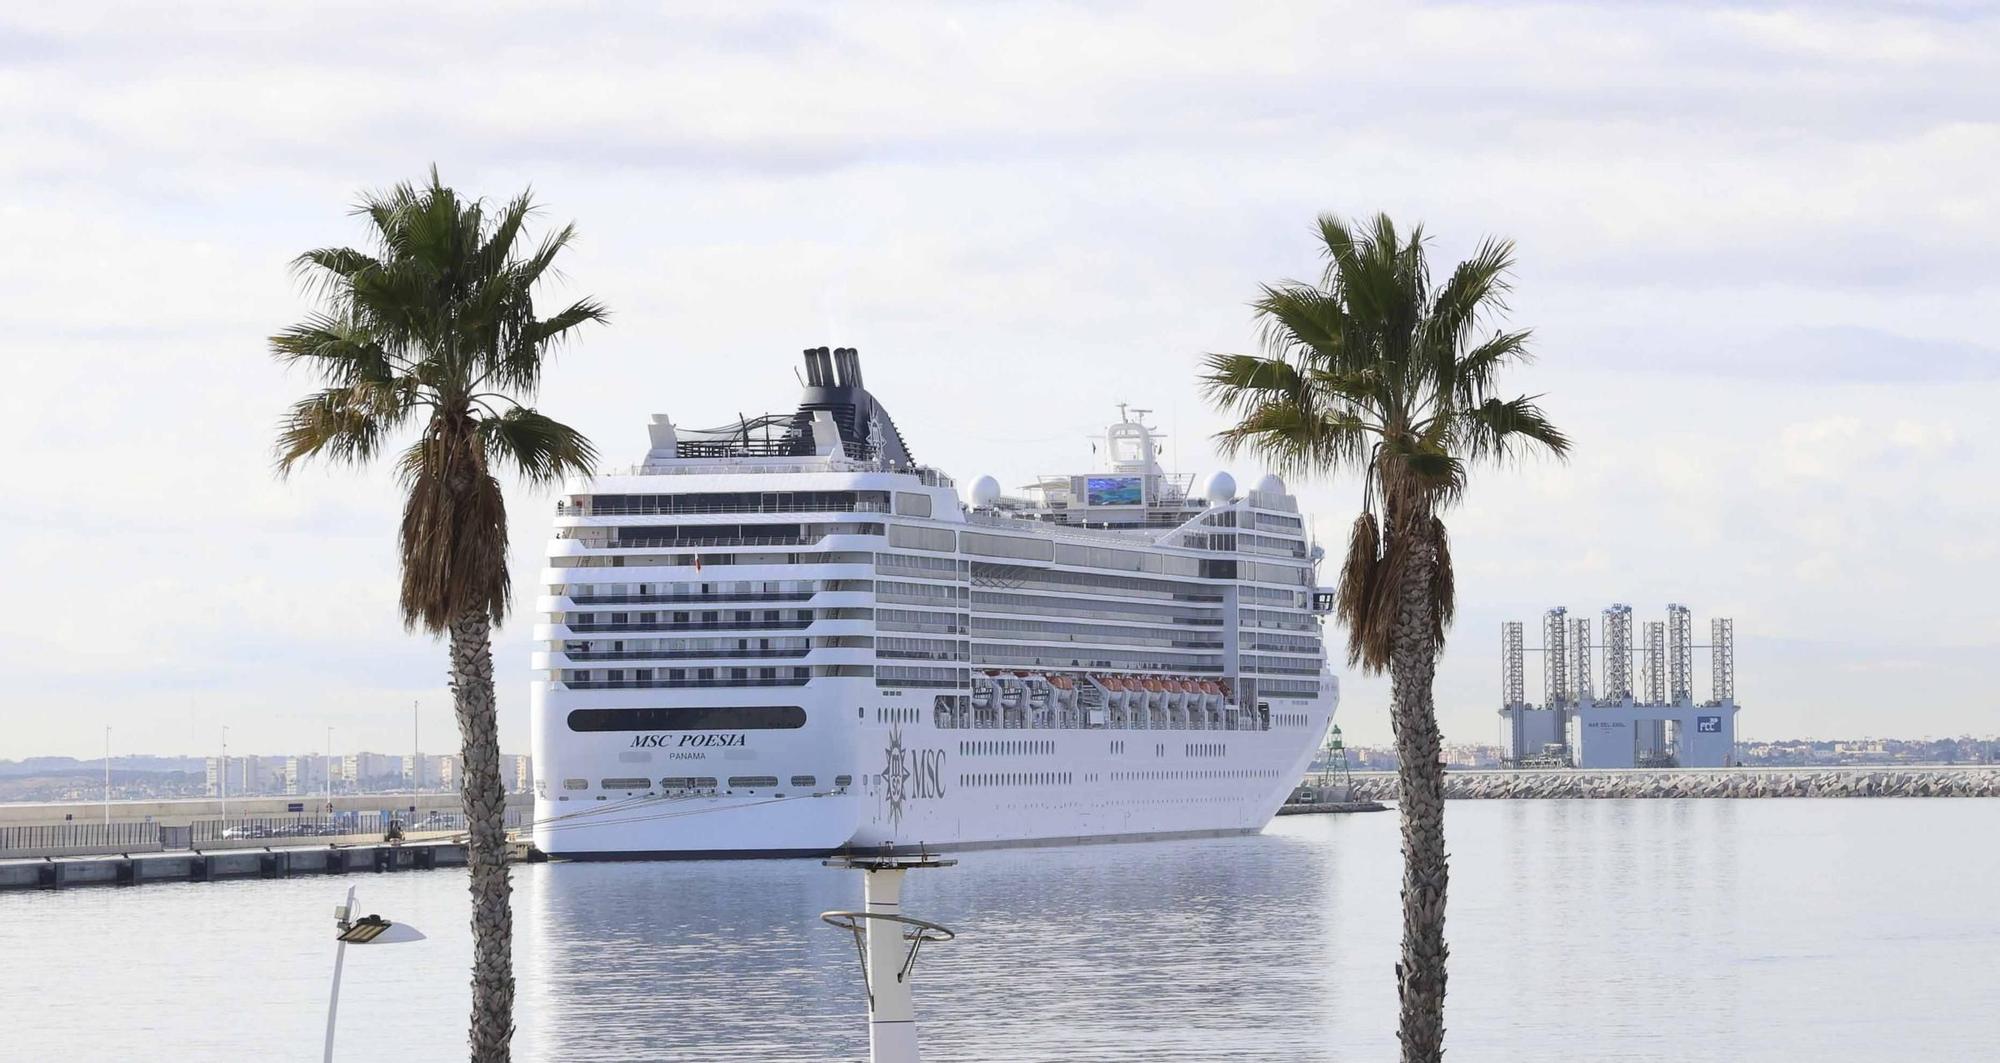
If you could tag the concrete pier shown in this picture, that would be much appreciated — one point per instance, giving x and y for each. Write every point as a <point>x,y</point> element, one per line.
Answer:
<point>1886,781</point>
<point>207,866</point>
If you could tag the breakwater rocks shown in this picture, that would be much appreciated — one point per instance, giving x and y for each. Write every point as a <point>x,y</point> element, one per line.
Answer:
<point>1715,782</point>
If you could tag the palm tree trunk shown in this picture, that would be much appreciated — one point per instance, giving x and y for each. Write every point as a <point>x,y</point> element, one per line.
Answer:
<point>1420,975</point>
<point>485,802</point>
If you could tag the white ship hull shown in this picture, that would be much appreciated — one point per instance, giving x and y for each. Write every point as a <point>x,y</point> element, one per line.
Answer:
<point>917,786</point>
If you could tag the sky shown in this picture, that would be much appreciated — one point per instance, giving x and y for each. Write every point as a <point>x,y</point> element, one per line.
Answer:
<point>1756,245</point>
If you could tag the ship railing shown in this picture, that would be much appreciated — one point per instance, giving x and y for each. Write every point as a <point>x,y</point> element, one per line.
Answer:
<point>1138,639</point>
<point>570,509</point>
<point>681,599</point>
<point>697,544</point>
<point>990,609</point>
<point>694,625</point>
<point>1138,536</point>
<point>641,684</point>
<point>928,476</point>
<point>686,655</point>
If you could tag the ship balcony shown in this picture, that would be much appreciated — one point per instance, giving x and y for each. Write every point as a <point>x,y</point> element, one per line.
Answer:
<point>596,565</point>
<point>648,684</point>
<point>816,627</point>
<point>565,603</point>
<point>1057,612</point>
<point>817,655</point>
<point>1097,641</point>
<point>590,513</point>
<point>567,546</point>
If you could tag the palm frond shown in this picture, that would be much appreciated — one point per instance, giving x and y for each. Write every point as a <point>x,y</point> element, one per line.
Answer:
<point>541,449</point>
<point>1302,322</point>
<point>1295,440</point>
<point>1444,587</point>
<point>1355,602</point>
<point>345,425</point>
<point>1242,381</point>
<point>1474,374</point>
<point>1497,430</point>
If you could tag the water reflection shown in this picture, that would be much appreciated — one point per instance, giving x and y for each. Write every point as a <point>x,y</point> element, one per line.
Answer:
<point>1847,931</point>
<point>1202,950</point>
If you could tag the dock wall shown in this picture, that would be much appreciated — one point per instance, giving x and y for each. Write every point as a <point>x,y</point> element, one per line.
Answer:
<point>223,864</point>
<point>1975,781</point>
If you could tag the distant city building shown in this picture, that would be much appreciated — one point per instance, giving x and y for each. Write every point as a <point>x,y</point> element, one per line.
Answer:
<point>305,774</point>
<point>516,773</point>
<point>244,775</point>
<point>368,772</point>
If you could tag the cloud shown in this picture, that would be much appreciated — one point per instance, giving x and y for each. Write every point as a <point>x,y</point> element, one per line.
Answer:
<point>1755,246</point>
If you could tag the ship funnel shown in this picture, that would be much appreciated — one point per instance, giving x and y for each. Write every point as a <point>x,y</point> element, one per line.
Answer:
<point>822,360</point>
<point>847,362</point>
<point>814,379</point>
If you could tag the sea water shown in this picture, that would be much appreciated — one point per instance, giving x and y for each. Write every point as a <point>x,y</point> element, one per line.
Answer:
<point>1829,930</point>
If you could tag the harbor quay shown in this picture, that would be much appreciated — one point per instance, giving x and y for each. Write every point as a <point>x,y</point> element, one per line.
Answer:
<point>1845,781</point>
<point>132,870</point>
<point>202,825</point>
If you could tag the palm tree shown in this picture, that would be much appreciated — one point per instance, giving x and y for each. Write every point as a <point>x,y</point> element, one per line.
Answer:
<point>1377,371</point>
<point>436,330</point>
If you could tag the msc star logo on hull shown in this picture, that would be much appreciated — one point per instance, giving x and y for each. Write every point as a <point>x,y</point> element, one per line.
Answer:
<point>895,777</point>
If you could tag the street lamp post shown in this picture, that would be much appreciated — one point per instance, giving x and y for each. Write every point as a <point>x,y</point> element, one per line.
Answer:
<point>366,930</point>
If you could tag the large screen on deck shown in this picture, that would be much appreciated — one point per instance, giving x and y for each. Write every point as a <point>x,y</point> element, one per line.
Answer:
<point>1115,490</point>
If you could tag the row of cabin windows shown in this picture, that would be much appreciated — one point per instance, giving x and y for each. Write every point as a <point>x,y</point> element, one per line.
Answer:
<point>685,616</point>
<point>705,783</point>
<point>650,675</point>
<point>741,502</point>
<point>1193,774</point>
<point>1017,778</point>
<point>1006,747</point>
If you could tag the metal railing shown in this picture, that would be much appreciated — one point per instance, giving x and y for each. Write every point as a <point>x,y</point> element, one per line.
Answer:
<point>729,625</point>
<point>129,836</point>
<point>570,509</point>
<point>680,655</point>
<point>676,599</point>
<point>637,684</point>
<point>925,474</point>
<point>104,837</point>
<point>696,544</point>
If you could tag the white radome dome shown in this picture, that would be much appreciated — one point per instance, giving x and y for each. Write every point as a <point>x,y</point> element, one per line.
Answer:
<point>1220,489</point>
<point>985,491</point>
<point>1270,485</point>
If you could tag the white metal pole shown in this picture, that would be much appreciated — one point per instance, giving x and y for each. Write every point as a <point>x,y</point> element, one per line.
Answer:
<point>222,780</point>
<point>107,775</point>
<point>892,1020</point>
<point>328,816</point>
<point>333,999</point>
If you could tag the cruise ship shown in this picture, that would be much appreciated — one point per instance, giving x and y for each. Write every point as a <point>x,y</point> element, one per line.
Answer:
<point>786,637</point>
